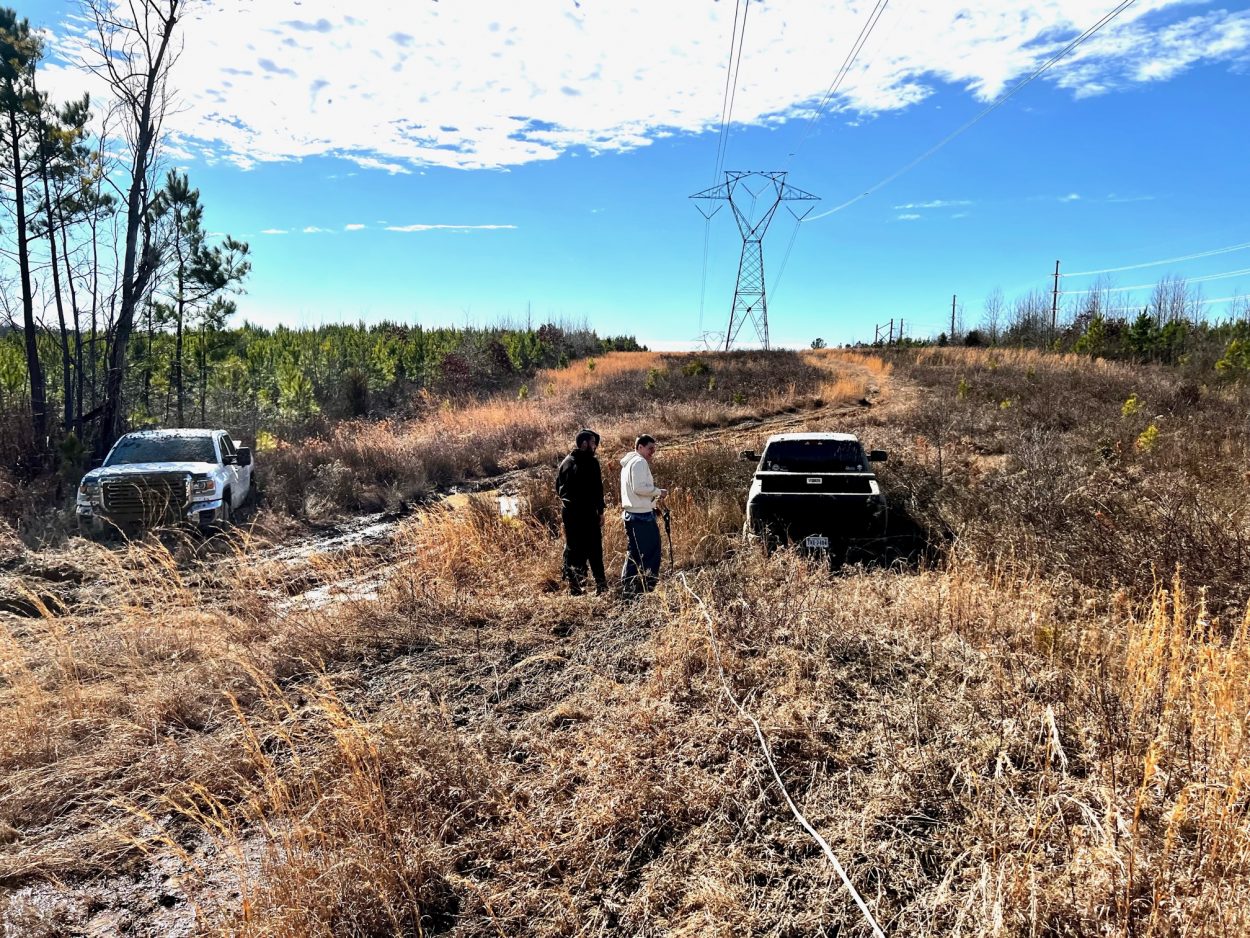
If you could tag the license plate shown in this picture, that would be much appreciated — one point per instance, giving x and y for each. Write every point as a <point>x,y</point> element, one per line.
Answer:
<point>817,540</point>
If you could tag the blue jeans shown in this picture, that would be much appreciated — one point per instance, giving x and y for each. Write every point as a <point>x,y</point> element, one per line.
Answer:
<point>642,560</point>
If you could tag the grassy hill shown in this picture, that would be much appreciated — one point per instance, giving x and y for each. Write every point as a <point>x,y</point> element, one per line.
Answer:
<point>1038,728</point>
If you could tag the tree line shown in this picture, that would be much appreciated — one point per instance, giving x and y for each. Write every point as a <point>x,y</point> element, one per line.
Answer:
<point>116,300</point>
<point>285,380</point>
<point>1171,328</point>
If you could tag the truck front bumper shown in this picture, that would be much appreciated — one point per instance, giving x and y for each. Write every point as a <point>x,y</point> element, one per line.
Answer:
<point>200,512</point>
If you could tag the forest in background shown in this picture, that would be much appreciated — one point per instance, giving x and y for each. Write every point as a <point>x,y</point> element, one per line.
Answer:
<point>117,302</point>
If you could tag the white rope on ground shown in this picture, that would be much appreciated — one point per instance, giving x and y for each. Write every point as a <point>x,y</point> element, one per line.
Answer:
<point>768,756</point>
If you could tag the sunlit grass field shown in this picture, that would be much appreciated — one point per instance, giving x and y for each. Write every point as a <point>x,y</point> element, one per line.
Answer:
<point>1039,727</point>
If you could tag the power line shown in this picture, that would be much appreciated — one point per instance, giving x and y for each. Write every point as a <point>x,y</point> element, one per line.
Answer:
<point>732,88</point>
<point>721,142</point>
<point>724,105</point>
<point>865,31</point>
<point>1148,286</point>
<point>707,234</point>
<point>1170,260</point>
<point>785,259</point>
<point>842,72</point>
<point>1218,299</point>
<point>993,106</point>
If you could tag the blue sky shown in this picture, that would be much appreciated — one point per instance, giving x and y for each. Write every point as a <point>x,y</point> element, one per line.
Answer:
<point>560,147</point>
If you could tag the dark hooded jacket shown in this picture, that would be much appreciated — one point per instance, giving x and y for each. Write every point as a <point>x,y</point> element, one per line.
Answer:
<point>579,483</point>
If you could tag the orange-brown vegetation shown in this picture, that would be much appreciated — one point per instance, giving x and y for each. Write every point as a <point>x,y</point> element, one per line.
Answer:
<point>1041,729</point>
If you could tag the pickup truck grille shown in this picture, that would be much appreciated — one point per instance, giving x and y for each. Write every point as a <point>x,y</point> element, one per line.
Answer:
<point>146,498</point>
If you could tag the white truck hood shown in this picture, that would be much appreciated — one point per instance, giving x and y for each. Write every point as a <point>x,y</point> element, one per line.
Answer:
<point>146,468</point>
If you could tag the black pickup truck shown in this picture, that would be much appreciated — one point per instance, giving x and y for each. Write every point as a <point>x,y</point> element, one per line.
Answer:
<point>816,491</point>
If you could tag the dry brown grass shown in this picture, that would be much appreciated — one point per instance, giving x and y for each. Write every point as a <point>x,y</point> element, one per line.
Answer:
<point>1002,744</point>
<point>372,466</point>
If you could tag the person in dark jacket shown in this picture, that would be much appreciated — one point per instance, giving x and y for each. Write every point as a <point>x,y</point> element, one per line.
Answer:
<point>579,483</point>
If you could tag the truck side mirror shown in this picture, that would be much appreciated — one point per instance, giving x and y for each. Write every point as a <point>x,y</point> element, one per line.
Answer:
<point>878,455</point>
<point>749,455</point>
<point>245,456</point>
<point>229,459</point>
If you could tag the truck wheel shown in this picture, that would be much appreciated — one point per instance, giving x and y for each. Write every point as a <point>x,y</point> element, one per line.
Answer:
<point>226,516</point>
<point>767,538</point>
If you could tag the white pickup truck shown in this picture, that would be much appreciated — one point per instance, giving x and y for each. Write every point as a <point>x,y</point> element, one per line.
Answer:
<point>156,477</point>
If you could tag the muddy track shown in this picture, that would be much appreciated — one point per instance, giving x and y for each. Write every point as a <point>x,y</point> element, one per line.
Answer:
<point>375,529</point>
<point>370,537</point>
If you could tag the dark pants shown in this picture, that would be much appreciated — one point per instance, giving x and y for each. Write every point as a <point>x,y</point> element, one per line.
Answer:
<point>642,562</point>
<point>583,546</point>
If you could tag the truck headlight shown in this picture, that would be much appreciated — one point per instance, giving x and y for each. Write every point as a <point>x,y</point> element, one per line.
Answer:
<point>203,487</point>
<point>89,489</point>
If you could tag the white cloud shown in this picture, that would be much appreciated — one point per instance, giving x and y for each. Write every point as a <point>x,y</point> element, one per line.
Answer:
<point>275,231</point>
<point>909,217</point>
<point>1070,197</point>
<point>397,85</point>
<point>1137,53</point>
<point>313,229</point>
<point>449,227</point>
<point>369,162</point>
<point>935,203</point>
<point>353,227</point>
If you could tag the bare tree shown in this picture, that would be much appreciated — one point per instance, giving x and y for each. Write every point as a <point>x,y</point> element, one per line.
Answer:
<point>134,52</point>
<point>992,316</point>
<point>1098,298</point>
<point>1240,309</point>
<point>1174,300</point>
<point>1030,318</point>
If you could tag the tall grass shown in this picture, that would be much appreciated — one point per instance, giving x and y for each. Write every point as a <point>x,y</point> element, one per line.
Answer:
<point>361,465</point>
<point>1002,743</point>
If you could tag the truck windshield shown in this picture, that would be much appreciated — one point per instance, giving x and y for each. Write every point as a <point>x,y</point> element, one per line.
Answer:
<point>814,456</point>
<point>131,450</point>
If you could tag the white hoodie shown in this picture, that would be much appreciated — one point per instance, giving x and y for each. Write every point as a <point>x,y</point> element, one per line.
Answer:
<point>638,489</point>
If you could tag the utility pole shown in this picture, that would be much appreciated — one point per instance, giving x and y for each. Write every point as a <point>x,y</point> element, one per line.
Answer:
<point>952,333</point>
<point>900,330</point>
<point>891,330</point>
<point>743,191</point>
<point>1054,303</point>
<point>876,333</point>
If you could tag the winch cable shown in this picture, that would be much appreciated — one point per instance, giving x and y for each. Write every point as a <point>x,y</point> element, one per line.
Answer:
<point>759,735</point>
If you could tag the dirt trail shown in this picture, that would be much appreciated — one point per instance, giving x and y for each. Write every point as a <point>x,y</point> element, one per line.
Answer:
<point>370,537</point>
<point>351,563</point>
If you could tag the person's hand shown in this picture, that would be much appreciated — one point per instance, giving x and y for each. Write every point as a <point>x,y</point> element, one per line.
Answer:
<point>663,492</point>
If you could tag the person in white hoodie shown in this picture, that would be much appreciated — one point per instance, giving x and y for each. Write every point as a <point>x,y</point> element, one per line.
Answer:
<point>639,495</point>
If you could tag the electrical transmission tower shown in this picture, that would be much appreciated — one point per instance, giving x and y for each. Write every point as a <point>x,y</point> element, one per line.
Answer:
<point>754,198</point>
